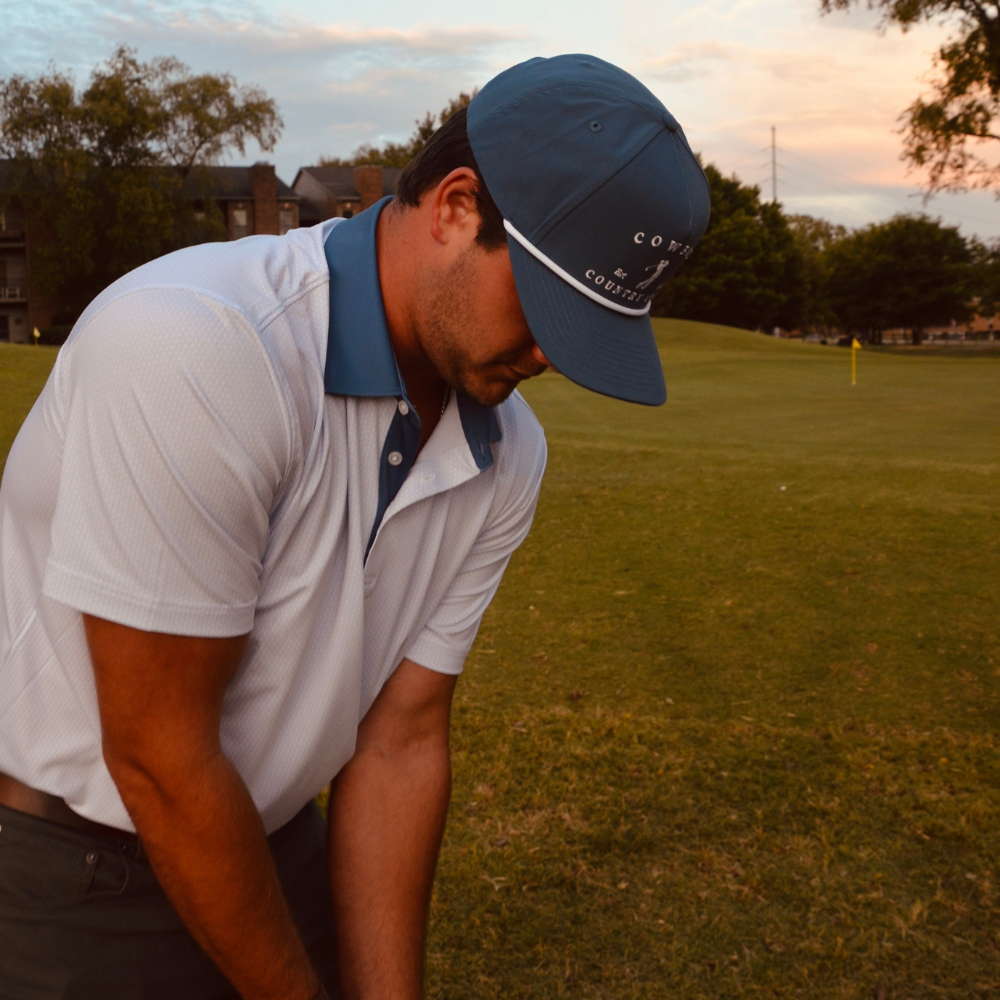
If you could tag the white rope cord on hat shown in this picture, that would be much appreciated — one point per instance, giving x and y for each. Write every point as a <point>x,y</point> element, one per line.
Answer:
<point>569,279</point>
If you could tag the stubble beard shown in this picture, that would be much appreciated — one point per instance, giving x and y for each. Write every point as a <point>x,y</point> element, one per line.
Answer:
<point>446,327</point>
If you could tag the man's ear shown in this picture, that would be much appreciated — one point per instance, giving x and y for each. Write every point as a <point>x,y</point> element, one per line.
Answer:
<point>454,214</point>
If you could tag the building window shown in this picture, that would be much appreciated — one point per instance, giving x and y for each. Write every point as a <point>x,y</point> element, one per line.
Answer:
<point>286,220</point>
<point>11,219</point>
<point>8,288</point>
<point>348,213</point>
<point>240,226</point>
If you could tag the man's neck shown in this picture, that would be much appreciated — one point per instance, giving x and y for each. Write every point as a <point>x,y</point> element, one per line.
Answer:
<point>399,273</point>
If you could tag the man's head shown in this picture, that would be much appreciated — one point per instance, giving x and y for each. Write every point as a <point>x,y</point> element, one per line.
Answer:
<point>463,307</point>
<point>542,222</point>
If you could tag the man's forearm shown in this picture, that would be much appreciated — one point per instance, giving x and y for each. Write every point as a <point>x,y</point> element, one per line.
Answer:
<point>209,851</point>
<point>387,816</point>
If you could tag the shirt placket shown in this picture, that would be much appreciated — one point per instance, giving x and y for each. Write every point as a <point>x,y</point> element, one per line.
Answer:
<point>399,452</point>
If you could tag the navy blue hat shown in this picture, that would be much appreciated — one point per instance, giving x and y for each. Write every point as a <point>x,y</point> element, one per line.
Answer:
<point>602,200</point>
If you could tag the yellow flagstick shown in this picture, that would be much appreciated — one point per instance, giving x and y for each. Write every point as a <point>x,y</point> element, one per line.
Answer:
<point>855,347</point>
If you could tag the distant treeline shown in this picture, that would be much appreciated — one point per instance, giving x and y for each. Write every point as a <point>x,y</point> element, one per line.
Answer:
<point>758,268</point>
<point>99,169</point>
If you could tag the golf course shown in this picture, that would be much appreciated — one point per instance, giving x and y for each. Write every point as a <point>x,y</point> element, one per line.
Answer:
<point>729,726</point>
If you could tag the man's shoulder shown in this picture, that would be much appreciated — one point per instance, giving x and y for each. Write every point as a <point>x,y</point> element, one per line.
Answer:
<point>257,277</point>
<point>196,308</point>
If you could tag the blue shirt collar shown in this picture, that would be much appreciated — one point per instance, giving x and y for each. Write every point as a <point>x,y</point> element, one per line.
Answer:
<point>359,358</point>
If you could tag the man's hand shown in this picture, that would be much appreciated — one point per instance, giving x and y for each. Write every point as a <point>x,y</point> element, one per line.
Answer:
<point>160,699</point>
<point>387,814</point>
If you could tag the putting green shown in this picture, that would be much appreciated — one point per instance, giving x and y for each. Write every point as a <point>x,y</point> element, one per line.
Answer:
<point>721,738</point>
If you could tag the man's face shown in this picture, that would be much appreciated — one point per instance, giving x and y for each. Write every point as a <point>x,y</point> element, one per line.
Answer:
<point>471,327</point>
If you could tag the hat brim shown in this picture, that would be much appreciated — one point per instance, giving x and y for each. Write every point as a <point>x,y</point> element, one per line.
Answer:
<point>598,348</point>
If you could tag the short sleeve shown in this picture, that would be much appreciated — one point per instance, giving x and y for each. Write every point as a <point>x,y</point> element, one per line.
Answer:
<point>175,445</point>
<point>448,636</point>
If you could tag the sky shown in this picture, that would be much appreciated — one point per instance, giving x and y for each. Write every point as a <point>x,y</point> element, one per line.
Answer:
<point>832,86</point>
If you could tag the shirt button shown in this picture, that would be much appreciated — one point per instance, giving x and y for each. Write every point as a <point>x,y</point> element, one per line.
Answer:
<point>395,458</point>
<point>403,407</point>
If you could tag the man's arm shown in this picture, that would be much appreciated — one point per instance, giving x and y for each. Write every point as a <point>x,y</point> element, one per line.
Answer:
<point>160,700</point>
<point>386,819</point>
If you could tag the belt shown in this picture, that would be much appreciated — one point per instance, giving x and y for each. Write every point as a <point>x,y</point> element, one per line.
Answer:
<point>23,798</point>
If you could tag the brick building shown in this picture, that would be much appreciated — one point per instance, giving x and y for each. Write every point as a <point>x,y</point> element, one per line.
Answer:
<point>253,200</point>
<point>327,192</point>
<point>14,322</point>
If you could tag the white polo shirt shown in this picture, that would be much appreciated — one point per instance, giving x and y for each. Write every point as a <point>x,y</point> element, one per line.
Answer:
<point>222,438</point>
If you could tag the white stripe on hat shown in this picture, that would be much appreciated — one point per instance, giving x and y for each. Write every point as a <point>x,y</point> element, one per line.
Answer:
<point>570,280</point>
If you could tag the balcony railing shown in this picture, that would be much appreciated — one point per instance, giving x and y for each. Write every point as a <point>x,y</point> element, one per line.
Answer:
<point>11,292</point>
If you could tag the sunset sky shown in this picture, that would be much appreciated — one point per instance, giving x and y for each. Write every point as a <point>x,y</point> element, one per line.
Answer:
<point>728,70</point>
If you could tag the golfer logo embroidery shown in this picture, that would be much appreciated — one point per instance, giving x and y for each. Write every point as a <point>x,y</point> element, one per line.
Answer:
<point>654,277</point>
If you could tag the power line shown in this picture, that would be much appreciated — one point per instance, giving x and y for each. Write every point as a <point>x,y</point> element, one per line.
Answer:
<point>775,166</point>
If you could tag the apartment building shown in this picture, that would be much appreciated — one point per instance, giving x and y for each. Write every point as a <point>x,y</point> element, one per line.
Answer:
<point>253,200</point>
<point>328,192</point>
<point>14,325</point>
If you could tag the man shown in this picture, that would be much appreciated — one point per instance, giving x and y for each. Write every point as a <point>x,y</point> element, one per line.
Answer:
<point>249,531</point>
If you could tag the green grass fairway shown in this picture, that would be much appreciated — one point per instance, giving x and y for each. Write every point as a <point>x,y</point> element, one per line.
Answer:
<point>728,729</point>
<point>23,371</point>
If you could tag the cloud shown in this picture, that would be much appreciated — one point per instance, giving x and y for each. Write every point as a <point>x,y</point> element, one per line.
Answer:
<point>688,60</point>
<point>253,32</point>
<point>728,69</point>
<point>838,103</point>
<point>707,57</point>
<point>337,84</point>
<point>834,92</point>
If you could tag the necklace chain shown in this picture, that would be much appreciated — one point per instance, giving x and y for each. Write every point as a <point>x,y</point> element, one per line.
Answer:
<point>447,396</point>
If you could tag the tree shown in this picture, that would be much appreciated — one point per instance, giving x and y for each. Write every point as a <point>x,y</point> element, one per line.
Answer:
<point>985,277</point>
<point>747,271</point>
<point>951,133</point>
<point>99,171</point>
<point>814,237</point>
<point>398,154</point>
<point>909,272</point>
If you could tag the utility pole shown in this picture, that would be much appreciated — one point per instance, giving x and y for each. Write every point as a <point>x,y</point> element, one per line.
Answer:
<point>774,169</point>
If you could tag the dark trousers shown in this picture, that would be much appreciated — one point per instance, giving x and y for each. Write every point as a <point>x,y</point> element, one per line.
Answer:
<point>82,916</point>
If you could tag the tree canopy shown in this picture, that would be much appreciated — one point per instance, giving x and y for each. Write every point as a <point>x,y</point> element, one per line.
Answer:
<point>953,133</point>
<point>99,170</point>
<point>757,268</point>
<point>909,272</point>
<point>814,238</point>
<point>398,154</point>
<point>748,269</point>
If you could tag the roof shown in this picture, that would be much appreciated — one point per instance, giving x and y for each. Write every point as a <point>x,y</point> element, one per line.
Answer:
<point>220,183</point>
<point>227,184</point>
<point>339,181</point>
